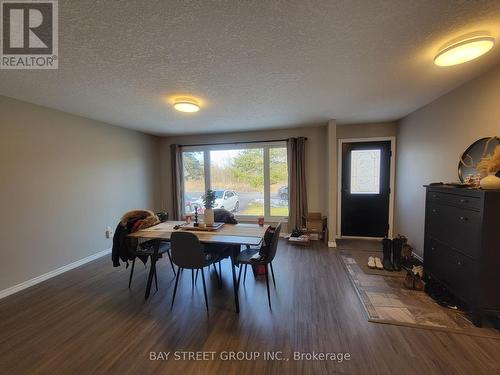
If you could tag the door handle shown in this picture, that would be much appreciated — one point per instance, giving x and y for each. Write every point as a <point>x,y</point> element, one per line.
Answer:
<point>463,218</point>
<point>464,201</point>
<point>435,211</point>
<point>435,196</point>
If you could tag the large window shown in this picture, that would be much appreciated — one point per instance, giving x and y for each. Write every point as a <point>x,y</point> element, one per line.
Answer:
<point>249,180</point>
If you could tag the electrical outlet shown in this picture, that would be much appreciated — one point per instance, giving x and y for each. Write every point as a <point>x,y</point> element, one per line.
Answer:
<point>109,232</point>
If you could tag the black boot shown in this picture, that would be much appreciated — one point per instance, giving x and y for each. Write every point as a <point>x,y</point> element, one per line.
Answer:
<point>397,246</point>
<point>387,247</point>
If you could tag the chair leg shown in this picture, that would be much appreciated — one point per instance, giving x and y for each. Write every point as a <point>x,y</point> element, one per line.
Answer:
<point>245,274</point>
<point>192,278</point>
<point>219,279</point>
<point>156,277</point>
<point>272,273</point>
<point>196,277</point>
<point>220,271</point>
<point>171,263</point>
<point>175,287</point>
<point>239,276</point>
<point>204,287</point>
<point>267,286</point>
<point>131,273</point>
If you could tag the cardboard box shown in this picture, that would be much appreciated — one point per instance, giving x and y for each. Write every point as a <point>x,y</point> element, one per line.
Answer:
<point>314,222</point>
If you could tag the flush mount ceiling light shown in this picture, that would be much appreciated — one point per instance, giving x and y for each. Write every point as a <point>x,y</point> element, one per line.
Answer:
<point>465,50</point>
<point>186,105</point>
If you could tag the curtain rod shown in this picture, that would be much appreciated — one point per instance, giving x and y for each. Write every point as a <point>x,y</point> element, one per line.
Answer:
<point>236,143</point>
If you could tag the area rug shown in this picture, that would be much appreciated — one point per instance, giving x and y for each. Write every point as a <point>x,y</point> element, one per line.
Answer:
<point>387,301</point>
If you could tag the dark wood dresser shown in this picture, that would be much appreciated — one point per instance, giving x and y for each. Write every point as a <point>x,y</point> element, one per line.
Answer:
<point>462,245</point>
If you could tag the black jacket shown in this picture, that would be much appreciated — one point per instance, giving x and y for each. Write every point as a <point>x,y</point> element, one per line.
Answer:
<point>120,246</point>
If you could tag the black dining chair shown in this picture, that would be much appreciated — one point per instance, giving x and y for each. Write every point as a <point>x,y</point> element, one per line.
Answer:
<point>187,253</point>
<point>271,240</point>
<point>145,251</point>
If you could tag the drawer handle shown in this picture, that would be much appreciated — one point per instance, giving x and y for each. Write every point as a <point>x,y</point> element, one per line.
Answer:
<point>460,263</point>
<point>464,201</point>
<point>463,218</point>
<point>435,211</point>
<point>435,196</point>
<point>433,248</point>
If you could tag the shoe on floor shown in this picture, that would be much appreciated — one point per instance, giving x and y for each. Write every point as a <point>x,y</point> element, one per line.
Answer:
<point>378,263</point>
<point>409,280</point>
<point>371,262</point>
<point>418,283</point>
<point>418,270</point>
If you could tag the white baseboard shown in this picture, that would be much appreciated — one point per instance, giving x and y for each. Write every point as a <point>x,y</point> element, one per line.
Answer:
<point>17,288</point>
<point>332,244</point>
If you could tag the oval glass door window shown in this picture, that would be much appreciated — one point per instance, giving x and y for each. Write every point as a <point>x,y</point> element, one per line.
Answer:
<point>365,172</point>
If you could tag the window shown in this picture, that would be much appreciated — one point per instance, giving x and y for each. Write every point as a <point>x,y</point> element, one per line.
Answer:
<point>278,175</point>
<point>249,180</point>
<point>194,179</point>
<point>365,172</point>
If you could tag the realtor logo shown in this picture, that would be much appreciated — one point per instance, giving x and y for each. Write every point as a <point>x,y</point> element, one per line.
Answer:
<point>29,38</point>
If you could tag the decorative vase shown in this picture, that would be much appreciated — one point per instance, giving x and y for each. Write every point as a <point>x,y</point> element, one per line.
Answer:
<point>209,216</point>
<point>490,182</point>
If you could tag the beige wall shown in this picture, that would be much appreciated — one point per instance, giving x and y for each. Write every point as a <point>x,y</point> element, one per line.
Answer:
<point>315,162</point>
<point>332,181</point>
<point>431,140</point>
<point>368,130</point>
<point>63,179</point>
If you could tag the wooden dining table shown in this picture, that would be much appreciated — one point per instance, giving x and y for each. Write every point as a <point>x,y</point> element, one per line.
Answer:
<point>243,234</point>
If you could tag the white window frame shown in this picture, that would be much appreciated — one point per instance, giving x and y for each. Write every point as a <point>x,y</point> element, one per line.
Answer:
<point>266,146</point>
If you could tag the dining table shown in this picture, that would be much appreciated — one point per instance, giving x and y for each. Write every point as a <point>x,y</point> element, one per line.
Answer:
<point>241,234</point>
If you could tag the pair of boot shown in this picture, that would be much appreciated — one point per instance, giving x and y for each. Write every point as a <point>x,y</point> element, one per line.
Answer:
<point>414,281</point>
<point>392,253</point>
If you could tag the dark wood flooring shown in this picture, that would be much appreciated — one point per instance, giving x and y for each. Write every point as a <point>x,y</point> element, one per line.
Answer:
<point>87,321</point>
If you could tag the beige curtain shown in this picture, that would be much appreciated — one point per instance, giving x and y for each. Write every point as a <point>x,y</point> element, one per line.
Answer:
<point>177,193</point>
<point>297,191</point>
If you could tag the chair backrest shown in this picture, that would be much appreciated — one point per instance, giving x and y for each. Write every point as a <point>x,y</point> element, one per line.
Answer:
<point>187,251</point>
<point>274,243</point>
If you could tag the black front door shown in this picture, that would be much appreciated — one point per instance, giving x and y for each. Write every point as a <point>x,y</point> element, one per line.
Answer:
<point>365,189</point>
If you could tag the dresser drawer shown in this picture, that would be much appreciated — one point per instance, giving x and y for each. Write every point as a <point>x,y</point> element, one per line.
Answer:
<point>457,271</point>
<point>456,227</point>
<point>454,199</point>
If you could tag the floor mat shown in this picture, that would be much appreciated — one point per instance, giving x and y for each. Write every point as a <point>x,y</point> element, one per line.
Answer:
<point>386,300</point>
<point>361,258</point>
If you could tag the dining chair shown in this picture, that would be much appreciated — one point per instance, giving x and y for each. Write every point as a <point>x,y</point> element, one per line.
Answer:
<point>187,253</point>
<point>245,257</point>
<point>145,251</point>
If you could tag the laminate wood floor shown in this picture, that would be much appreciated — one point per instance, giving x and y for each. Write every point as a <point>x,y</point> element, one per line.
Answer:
<point>87,321</point>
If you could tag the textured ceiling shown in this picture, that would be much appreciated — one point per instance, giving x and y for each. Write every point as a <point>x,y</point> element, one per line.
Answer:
<point>254,64</point>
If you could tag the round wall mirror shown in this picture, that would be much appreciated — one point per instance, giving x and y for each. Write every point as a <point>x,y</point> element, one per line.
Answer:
<point>473,154</point>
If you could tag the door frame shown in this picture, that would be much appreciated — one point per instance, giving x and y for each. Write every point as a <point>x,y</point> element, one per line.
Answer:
<point>392,174</point>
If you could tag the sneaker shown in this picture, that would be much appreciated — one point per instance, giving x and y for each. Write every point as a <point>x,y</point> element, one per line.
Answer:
<point>418,270</point>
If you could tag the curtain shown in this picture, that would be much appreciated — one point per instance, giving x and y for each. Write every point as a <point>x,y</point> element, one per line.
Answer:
<point>177,193</point>
<point>297,191</point>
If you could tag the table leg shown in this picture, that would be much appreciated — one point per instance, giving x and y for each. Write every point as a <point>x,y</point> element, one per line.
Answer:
<point>235,286</point>
<point>152,266</point>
